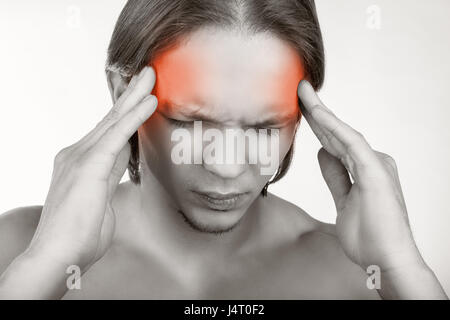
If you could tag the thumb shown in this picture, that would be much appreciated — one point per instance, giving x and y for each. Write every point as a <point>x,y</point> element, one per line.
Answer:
<point>336,177</point>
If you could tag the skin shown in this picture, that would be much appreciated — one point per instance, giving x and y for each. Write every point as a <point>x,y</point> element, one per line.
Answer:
<point>132,241</point>
<point>197,81</point>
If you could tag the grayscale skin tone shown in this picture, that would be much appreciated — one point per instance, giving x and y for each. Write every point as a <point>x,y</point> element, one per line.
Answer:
<point>131,241</point>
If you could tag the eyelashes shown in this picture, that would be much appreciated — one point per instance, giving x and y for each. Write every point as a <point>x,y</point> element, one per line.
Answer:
<point>268,131</point>
<point>181,124</point>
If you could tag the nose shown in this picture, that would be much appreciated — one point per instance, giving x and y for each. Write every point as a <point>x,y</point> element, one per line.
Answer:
<point>225,171</point>
<point>229,159</point>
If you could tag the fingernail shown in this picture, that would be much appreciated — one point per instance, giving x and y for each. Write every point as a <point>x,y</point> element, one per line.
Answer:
<point>151,98</point>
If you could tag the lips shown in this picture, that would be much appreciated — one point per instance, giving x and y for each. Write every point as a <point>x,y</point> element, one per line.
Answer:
<point>221,201</point>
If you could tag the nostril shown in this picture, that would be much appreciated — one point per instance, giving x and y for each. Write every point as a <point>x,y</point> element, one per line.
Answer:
<point>225,171</point>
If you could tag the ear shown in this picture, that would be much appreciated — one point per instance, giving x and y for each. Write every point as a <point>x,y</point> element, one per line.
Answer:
<point>116,84</point>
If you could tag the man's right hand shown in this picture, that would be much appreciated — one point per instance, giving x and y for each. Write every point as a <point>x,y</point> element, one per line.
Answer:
<point>77,221</point>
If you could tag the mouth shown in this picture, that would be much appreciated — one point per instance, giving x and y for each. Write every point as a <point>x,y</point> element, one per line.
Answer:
<point>221,201</point>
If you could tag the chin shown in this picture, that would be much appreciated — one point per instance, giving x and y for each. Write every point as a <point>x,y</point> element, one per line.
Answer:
<point>211,221</point>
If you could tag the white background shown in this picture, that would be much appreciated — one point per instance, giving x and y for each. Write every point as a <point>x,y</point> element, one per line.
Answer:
<point>387,77</point>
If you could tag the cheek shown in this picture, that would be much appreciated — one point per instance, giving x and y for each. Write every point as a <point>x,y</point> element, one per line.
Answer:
<point>154,135</point>
<point>156,148</point>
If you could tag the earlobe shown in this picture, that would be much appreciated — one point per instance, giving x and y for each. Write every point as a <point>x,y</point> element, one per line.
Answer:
<point>116,84</point>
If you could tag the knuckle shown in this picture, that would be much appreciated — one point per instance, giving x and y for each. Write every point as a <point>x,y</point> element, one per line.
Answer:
<point>102,122</point>
<point>78,163</point>
<point>353,147</point>
<point>357,142</point>
<point>389,158</point>
<point>336,128</point>
<point>390,161</point>
<point>112,116</point>
<point>315,110</point>
<point>359,137</point>
<point>385,157</point>
<point>62,156</point>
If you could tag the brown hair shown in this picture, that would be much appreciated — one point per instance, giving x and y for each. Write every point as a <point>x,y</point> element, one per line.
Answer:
<point>147,27</point>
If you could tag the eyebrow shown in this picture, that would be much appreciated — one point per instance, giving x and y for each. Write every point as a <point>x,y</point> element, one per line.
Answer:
<point>195,112</point>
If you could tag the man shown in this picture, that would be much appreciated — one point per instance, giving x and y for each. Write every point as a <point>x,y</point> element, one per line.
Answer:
<point>205,230</point>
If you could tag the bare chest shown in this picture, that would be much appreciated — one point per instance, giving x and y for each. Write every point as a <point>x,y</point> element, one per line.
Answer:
<point>281,275</point>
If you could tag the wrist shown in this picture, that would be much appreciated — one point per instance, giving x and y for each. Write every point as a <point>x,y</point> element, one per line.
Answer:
<point>415,281</point>
<point>55,255</point>
<point>33,276</point>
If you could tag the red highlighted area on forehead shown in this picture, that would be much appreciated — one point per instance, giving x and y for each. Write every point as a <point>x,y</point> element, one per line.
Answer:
<point>180,73</point>
<point>232,77</point>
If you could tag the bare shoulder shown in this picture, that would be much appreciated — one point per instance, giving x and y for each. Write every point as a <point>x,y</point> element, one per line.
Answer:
<point>291,218</point>
<point>17,228</point>
<point>316,242</point>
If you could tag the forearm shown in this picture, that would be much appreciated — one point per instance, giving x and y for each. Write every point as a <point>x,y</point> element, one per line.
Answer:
<point>412,283</point>
<point>33,277</point>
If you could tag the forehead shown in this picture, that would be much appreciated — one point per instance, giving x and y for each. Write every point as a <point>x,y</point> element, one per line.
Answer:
<point>228,71</point>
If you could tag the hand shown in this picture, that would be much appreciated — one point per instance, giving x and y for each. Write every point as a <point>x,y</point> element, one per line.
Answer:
<point>77,221</point>
<point>372,222</point>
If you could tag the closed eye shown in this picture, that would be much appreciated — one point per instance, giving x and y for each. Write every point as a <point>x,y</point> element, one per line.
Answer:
<point>180,124</point>
<point>267,130</point>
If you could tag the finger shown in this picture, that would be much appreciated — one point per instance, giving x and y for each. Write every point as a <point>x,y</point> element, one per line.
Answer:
<point>348,142</point>
<point>137,90</point>
<point>308,100</point>
<point>337,137</point>
<point>320,134</point>
<point>335,176</point>
<point>139,87</point>
<point>308,95</point>
<point>106,150</point>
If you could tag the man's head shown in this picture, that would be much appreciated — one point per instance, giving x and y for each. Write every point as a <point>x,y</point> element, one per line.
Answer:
<point>233,64</point>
